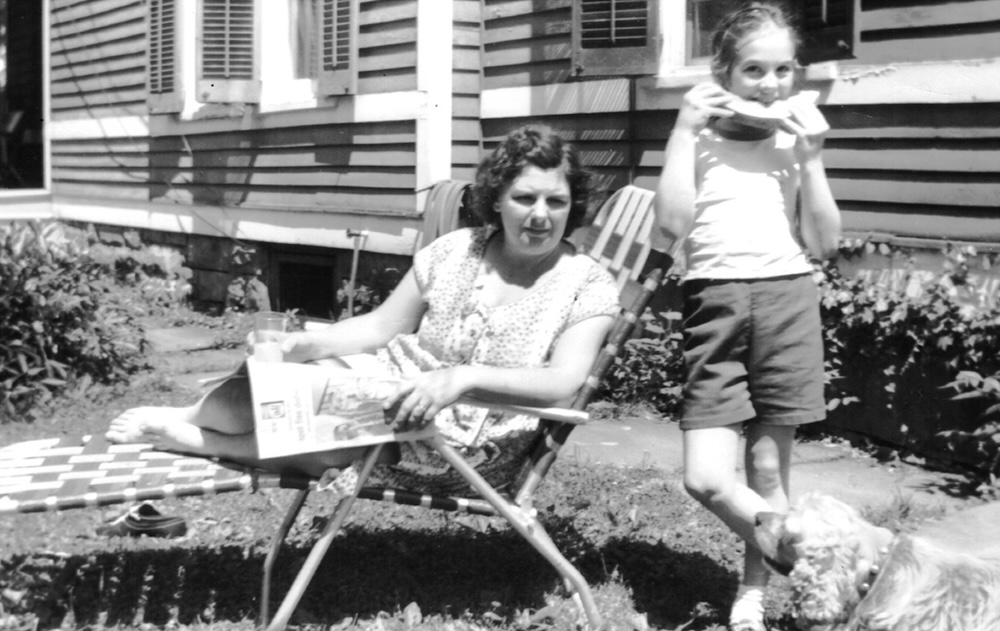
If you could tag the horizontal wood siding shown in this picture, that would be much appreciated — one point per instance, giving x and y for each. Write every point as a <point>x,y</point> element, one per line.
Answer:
<point>99,73</point>
<point>467,85</point>
<point>526,42</point>
<point>98,56</point>
<point>606,143</point>
<point>346,168</point>
<point>918,30</point>
<point>387,51</point>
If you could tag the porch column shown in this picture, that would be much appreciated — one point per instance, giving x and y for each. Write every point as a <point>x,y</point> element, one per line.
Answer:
<point>434,82</point>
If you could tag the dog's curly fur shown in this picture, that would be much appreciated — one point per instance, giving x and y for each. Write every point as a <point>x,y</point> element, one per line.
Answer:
<point>943,577</point>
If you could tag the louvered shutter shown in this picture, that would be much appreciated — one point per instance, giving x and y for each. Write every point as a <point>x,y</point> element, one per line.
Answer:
<point>338,47</point>
<point>827,30</point>
<point>227,59</point>
<point>164,90</point>
<point>615,37</point>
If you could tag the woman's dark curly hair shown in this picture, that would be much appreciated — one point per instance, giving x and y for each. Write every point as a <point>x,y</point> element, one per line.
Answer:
<point>736,26</point>
<point>539,146</point>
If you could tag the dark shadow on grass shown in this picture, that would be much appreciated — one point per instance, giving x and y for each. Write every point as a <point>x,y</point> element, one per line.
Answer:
<point>667,584</point>
<point>447,572</point>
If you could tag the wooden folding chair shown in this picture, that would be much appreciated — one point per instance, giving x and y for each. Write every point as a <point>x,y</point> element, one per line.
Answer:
<point>73,473</point>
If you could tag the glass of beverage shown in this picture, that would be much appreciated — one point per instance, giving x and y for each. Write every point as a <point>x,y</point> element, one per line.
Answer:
<point>270,329</point>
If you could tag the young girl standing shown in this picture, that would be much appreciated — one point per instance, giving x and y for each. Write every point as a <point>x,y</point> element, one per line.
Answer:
<point>753,203</point>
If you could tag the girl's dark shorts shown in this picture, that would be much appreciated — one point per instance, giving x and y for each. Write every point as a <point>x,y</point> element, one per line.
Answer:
<point>753,350</point>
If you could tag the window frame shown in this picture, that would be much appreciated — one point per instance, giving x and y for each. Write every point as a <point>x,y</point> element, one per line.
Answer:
<point>616,61</point>
<point>675,71</point>
<point>271,88</point>
<point>227,89</point>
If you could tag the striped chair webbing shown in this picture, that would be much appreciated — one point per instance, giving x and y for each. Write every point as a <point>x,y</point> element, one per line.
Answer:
<point>472,506</point>
<point>621,236</point>
<point>78,472</point>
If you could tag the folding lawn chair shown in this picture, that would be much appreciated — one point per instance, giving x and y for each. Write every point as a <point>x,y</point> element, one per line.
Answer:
<point>66,473</point>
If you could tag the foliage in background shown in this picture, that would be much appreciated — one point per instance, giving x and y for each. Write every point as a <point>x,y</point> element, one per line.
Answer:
<point>154,276</point>
<point>985,439</point>
<point>60,319</point>
<point>650,368</point>
<point>912,338</point>
<point>368,293</point>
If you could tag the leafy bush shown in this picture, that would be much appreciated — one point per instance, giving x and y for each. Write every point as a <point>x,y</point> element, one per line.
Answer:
<point>909,340</point>
<point>60,321</point>
<point>985,439</point>
<point>368,293</point>
<point>155,276</point>
<point>650,368</point>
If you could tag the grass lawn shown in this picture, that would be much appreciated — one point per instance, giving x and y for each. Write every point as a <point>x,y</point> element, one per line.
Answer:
<point>655,557</point>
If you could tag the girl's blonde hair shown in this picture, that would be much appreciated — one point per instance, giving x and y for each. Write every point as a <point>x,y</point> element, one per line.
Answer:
<point>737,26</point>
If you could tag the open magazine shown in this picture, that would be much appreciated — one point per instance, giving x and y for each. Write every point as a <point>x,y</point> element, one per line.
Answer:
<point>301,408</point>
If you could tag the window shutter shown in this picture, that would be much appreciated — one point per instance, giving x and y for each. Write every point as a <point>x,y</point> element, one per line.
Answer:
<point>827,30</point>
<point>164,93</point>
<point>615,37</point>
<point>228,53</point>
<point>338,47</point>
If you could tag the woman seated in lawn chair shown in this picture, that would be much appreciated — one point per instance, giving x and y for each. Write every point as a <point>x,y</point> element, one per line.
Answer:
<point>509,311</point>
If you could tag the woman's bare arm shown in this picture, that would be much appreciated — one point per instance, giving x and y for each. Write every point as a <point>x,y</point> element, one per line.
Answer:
<point>400,313</point>
<point>572,358</point>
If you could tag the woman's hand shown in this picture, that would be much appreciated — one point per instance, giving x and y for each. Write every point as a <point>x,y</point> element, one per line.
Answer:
<point>702,103</point>
<point>422,397</point>
<point>809,126</point>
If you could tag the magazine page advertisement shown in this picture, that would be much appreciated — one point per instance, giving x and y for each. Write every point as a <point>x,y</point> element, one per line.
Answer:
<point>300,408</point>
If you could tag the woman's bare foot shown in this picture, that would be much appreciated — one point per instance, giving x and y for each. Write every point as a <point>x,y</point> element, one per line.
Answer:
<point>164,427</point>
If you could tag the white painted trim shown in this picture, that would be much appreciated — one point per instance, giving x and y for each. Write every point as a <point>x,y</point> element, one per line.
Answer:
<point>386,234</point>
<point>963,81</point>
<point>434,79</point>
<point>47,96</point>
<point>109,127</point>
<point>21,205</point>
<point>673,24</point>
<point>585,97</point>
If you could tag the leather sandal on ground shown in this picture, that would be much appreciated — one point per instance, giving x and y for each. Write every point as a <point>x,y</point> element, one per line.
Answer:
<point>141,520</point>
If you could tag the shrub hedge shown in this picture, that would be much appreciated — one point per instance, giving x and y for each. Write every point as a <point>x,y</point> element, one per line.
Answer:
<point>60,319</point>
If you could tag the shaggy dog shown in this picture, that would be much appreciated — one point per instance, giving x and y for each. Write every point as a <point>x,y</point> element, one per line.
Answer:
<point>848,575</point>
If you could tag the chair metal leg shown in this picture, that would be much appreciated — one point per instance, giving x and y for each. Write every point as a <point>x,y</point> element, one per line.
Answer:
<point>320,548</point>
<point>272,554</point>
<point>529,528</point>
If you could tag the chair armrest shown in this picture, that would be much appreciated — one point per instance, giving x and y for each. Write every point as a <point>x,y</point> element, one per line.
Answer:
<point>563,415</point>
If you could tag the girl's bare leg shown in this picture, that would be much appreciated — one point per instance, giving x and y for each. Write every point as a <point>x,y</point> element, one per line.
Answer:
<point>710,458</point>
<point>768,463</point>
